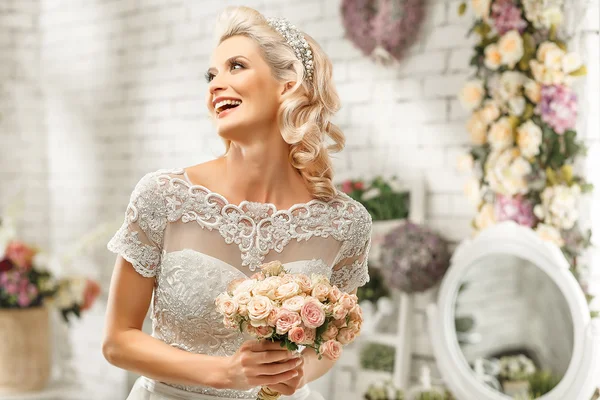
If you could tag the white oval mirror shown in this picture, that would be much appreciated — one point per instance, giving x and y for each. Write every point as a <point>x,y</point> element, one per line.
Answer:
<point>509,306</point>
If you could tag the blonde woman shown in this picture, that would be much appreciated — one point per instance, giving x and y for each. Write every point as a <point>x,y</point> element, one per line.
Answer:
<point>190,231</point>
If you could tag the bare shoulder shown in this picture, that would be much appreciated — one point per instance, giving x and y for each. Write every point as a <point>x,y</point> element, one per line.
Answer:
<point>204,173</point>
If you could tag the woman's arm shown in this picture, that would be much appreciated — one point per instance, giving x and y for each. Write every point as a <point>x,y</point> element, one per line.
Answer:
<point>127,347</point>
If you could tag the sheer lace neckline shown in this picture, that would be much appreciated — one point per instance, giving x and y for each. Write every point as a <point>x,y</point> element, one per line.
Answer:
<point>246,203</point>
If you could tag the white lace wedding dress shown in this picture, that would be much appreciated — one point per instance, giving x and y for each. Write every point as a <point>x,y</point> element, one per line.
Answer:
<point>195,242</point>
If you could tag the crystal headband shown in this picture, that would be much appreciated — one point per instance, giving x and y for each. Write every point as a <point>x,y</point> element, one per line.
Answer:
<point>294,38</point>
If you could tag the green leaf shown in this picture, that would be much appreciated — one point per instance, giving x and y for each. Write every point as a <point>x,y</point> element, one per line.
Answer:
<point>594,314</point>
<point>586,187</point>
<point>579,72</point>
<point>462,8</point>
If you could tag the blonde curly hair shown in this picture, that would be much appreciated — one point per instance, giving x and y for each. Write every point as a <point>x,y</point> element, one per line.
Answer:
<point>304,116</point>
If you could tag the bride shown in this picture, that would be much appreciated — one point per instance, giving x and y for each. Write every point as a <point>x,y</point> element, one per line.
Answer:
<point>188,232</point>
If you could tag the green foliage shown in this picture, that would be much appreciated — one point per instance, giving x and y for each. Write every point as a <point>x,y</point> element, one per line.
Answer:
<point>542,382</point>
<point>375,288</point>
<point>378,357</point>
<point>382,198</point>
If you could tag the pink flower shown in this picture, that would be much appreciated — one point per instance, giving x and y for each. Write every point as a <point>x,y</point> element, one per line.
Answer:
<point>339,323</point>
<point>297,335</point>
<point>228,307</point>
<point>286,320</point>
<point>20,254</point>
<point>516,209</point>
<point>356,313</point>
<point>230,323</point>
<point>309,336</point>
<point>294,304</point>
<point>346,336</point>
<point>259,276</point>
<point>335,294</point>
<point>304,282</point>
<point>272,318</point>
<point>359,185</point>
<point>321,291</point>
<point>90,294</point>
<point>259,309</point>
<point>260,332</point>
<point>507,17</point>
<point>347,301</point>
<point>330,333</point>
<point>558,107</point>
<point>347,186</point>
<point>339,311</point>
<point>312,314</point>
<point>332,349</point>
<point>23,299</point>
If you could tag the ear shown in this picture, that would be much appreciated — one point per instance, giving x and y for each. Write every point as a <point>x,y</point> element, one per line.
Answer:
<point>287,87</point>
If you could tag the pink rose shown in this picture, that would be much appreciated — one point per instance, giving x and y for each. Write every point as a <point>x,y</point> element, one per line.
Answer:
<point>264,288</point>
<point>272,318</point>
<point>332,349</point>
<point>228,307</point>
<point>287,290</point>
<point>321,291</point>
<point>242,298</point>
<point>356,313</point>
<point>259,276</point>
<point>339,323</point>
<point>230,323</point>
<point>312,314</point>
<point>339,312</point>
<point>243,310</point>
<point>287,278</point>
<point>286,320</point>
<point>259,309</point>
<point>260,332</point>
<point>348,301</point>
<point>346,336</point>
<point>20,254</point>
<point>309,336</point>
<point>330,333</point>
<point>304,282</point>
<point>220,298</point>
<point>293,304</point>
<point>335,294</point>
<point>297,335</point>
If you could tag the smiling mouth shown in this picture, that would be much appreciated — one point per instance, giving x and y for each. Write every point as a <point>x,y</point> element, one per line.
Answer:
<point>226,106</point>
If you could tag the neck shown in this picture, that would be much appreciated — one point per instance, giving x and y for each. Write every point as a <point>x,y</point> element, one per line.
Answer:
<point>261,172</point>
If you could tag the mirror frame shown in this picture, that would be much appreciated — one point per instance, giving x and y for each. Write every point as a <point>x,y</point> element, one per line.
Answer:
<point>580,379</point>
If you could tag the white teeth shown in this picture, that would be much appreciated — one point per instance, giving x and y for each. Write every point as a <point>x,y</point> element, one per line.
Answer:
<point>222,103</point>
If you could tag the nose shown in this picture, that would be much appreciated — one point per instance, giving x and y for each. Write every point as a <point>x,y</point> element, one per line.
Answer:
<point>216,84</point>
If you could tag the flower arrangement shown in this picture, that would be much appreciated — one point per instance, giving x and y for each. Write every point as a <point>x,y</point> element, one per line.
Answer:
<point>417,258</point>
<point>26,280</point>
<point>522,128</point>
<point>293,309</point>
<point>384,199</point>
<point>516,368</point>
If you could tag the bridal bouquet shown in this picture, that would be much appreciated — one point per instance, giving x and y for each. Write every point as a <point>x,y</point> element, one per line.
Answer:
<point>293,309</point>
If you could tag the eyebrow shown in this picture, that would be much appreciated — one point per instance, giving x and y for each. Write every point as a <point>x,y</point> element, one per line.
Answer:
<point>229,61</point>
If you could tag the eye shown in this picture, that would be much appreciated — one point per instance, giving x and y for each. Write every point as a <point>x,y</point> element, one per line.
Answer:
<point>235,64</point>
<point>209,77</point>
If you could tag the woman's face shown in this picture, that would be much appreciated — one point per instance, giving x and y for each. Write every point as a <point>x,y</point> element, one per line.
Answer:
<point>242,92</point>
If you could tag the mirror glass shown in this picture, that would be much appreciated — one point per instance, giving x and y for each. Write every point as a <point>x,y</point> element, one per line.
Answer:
<point>514,326</point>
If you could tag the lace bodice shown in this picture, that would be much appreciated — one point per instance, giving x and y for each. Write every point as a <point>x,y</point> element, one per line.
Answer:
<point>194,242</point>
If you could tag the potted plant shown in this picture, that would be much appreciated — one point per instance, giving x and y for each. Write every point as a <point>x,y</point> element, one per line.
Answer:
<point>514,374</point>
<point>28,290</point>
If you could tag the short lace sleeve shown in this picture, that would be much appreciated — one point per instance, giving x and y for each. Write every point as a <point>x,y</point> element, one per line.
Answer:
<point>139,240</point>
<point>350,270</point>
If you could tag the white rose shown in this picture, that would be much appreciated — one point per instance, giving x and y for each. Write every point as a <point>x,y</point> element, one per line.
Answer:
<point>543,50</point>
<point>538,70</point>
<point>259,309</point>
<point>472,94</point>
<point>571,62</point>
<point>486,217</point>
<point>477,129</point>
<point>294,303</point>
<point>511,83</point>
<point>481,8</point>
<point>550,234</point>
<point>493,57</point>
<point>245,286</point>
<point>473,191</point>
<point>242,298</point>
<point>489,112</point>
<point>501,134</point>
<point>552,16</point>
<point>529,138</point>
<point>228,307</point>
<point>511,48</point>
<point>506,172</point>
<point>371,194</point>
<point>263,288</point>
<point>533,91</point>
<point>287,291</point>
<point>554,58</point>
<point>517,105</point>
<point>465,162</point>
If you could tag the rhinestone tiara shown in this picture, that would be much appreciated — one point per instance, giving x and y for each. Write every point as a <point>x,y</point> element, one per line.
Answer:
<point>296,40</point>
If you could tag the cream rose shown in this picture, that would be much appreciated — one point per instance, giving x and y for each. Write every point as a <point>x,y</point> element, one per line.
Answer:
<point>533,91</point>
<point>245,287</point>
<point>481,8</point>
<point>230,323</point>
<point>465,162</point>
<point>356,314</point>
<point>550,233</point>
<point>272,268</point>
<point>293,303</point>
<point>348,301</point>
<point>228,307</point>
<point>517,105</point>
<point>571,63</point>
<point>346,336</point>
<point>304,282</point>
<point>529,138</point>
<point>543,50</point>
<point>486,217</point>
<point>220,298</point>
<point>286,320</point>
<point>309,336</point>
<point>260,332</point>
<point>242,298</point>
<point>339,311</point>
<point>321,291</point>
<point>477,129</point>
<point>554,58</point>
<point>511,48</point>
<point>259,309</point>
<point>493,57</point>
<point>472,94</point>
<point>335,294</point>
<point>332,349</point>
<point>489,112</point>
<point>330,333</point>
<point>287,290</point>
<point>501,135</point>
<point>312,314</point>
<point>272,318</point>
<point>263,288</point>
<point>297,335</point>
<point>472,190</point>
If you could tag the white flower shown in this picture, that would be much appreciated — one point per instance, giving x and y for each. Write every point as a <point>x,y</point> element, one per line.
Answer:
<point>511,48</point>
<point>506,172</point>
<point>245,287</point>
<point>543,13</point>
<point>571,62</point>
<point>370,194</point>
<point>473,191</point>
<point>511,84</point>
<point>486,217</point>
<point>48,263</point>
<point>544,49</point>
<point>501,134</point>
<point>559,206</point>
<point>554,58</point>
<point>396,185</point>
<point>481,8</point>
<point>493,57</point>
<point>489,112</point>
<point>472,94</point>
<point>517,106</point>
<point>550,234</point>
<point>529,138</point>
<point>552,16</point>
<point>465,162</point>
<point>477,129</point>
<point>533,91</point>
<point>8,233</point>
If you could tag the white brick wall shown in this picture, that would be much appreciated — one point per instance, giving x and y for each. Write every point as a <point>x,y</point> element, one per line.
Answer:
<point>98,92</point>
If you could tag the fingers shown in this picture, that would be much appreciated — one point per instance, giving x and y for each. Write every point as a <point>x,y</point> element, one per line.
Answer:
<point>265,345</point>
<point>272,356</point>
<point>283,389</point>
<point>275,379</point>
<point>278,368</point>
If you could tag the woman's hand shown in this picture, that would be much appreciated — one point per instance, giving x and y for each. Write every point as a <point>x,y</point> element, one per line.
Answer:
<point>263,363</point>
<point>289,387</point>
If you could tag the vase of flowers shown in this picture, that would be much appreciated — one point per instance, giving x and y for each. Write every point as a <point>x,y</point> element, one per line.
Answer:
<point>29,291</point>
<point>514,374</point>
